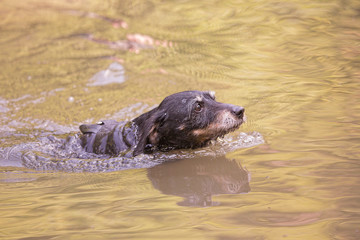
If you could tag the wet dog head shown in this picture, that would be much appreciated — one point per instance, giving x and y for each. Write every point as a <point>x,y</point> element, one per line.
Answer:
<point>186,120</point>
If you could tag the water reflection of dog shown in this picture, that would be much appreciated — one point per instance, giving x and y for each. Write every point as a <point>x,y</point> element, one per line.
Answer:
<point>197,180</point>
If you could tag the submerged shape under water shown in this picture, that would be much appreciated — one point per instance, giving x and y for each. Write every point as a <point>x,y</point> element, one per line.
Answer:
<point>115,73</point>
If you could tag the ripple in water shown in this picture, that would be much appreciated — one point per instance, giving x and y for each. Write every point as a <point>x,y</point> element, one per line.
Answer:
<point>54,154</point>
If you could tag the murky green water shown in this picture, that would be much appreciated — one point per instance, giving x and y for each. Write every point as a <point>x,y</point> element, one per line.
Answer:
<point>294,66</point>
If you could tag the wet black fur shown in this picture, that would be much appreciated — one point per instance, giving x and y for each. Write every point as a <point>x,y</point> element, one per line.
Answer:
<point>171,125</point>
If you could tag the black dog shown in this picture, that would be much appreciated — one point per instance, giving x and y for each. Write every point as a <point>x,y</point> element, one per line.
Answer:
<point>188,119</point>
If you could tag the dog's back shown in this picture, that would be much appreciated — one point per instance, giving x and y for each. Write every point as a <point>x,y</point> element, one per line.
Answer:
<point>109,137</point>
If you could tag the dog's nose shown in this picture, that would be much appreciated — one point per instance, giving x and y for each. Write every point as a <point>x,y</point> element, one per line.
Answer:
<point>238,111</point>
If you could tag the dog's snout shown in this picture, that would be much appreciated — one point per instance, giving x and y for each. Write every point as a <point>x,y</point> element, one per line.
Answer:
<point>238,111</point>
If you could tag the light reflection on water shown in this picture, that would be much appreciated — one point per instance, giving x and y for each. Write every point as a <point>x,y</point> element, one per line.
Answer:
<point>294,65</point>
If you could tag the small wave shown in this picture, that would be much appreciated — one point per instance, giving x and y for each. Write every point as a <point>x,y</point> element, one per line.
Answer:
<point>54,154</point>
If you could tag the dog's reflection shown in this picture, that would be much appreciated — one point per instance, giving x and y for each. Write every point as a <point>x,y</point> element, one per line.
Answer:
<point>197,180</point>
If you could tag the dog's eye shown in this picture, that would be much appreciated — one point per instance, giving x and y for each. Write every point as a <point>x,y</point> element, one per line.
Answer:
<point>198,106</point>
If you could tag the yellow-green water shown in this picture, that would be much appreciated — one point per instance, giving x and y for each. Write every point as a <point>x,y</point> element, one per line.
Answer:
<point>294,65</point>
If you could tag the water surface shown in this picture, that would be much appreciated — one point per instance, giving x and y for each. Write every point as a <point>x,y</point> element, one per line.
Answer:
<point>294,66</point>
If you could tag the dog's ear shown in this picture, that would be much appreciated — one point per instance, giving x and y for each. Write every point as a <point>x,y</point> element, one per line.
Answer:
<point>147,132</point>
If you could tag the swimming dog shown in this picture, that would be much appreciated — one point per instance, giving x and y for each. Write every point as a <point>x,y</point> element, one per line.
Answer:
<point>189,119</point>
